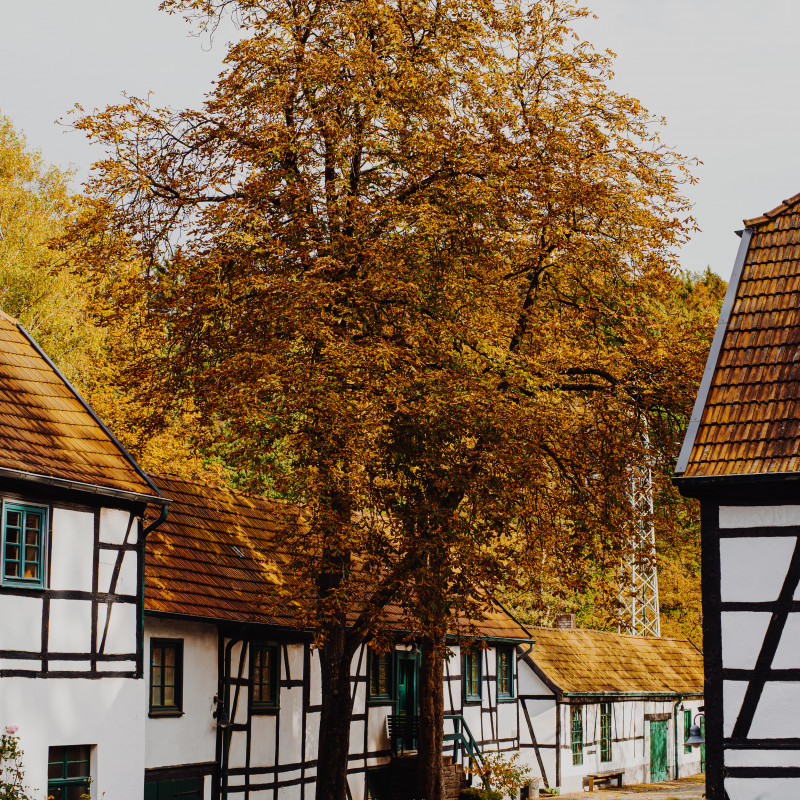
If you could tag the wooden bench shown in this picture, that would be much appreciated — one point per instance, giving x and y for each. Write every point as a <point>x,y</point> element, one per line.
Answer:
<point>605,777</point>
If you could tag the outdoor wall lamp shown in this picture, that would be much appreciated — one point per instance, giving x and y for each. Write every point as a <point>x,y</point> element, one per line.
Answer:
<point>695,735</point>
<point>221,713</point>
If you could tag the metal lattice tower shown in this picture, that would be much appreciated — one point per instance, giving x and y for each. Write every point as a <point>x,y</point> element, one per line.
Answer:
<point>638,594</point>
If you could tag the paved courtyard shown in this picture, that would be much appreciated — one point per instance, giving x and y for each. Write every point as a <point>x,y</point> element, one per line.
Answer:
<point>685,789</point>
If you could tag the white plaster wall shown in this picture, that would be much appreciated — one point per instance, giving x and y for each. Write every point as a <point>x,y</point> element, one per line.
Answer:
<point>107,714</point>
<point>72,550</point>
<point>114,524</point>
<point>191,738</point>
<point>22,624</point>
<point>758,516</point>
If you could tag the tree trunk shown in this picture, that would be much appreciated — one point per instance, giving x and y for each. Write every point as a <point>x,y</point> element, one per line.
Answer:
<point>431,718</point>
<point>335,716</point>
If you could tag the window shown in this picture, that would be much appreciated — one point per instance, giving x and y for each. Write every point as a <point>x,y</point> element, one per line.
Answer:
<point>576,728</point>
<point>264,673</point>
<point>472,675</point>
<point>166,677</point>
<point>505,673</point>
<point>687,724</point>
<point>68,772</point>
<point>605,732</point>
<point>380,676</point>
<point>24,539</point>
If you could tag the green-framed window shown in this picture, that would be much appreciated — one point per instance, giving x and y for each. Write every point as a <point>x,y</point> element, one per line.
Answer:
<point>166,677</point>
<point>576,734</point>
<point>68,776</point>
<point>264,676</point>
<point>473,675</point>
<point>687,724</point>
<point>505,673</point>
<point>380,676</point>
<point>606,753</point>
<point>24,544</point>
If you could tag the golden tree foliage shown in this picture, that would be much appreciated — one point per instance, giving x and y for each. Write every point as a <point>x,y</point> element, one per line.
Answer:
<point>35,206</point>
<point>410,263</point>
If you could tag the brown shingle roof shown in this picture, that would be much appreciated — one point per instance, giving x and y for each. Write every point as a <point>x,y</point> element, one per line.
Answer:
<point>47,430</point>
<point>221,555</point>
<point>581,661</point>
<point>751,420</point>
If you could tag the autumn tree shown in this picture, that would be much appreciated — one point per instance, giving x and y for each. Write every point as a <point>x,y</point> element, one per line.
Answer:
<point>397,267</point>
<point>36,205</point>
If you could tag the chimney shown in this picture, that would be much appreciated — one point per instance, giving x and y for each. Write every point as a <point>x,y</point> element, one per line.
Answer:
<point>565,621</point>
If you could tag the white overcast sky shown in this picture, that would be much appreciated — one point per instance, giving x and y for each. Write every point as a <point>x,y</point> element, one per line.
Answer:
<point>723,72</point>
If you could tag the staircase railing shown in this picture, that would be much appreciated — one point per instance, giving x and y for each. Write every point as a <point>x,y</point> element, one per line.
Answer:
<point>464,743</point>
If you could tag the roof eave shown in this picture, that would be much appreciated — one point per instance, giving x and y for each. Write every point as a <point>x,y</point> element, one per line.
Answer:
<point>641,694</point>
<point>713,356</point>
<point>79,486</point>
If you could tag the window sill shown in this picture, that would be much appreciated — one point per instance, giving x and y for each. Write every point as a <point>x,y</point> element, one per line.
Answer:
<point>166,712</point>
<point>506,699</point>
<point>380,701</point>
<point>473,701</point>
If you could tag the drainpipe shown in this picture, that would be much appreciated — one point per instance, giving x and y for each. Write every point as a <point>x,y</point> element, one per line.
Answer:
<point>142,550</point>
<point>675,731</point>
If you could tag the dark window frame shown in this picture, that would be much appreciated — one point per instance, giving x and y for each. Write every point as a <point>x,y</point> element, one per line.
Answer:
<point>273,703</point>
<point>502,695</point>
<point>64,782</point>
<point>687,724</point>
<point>576,734</point>
<point>378,697</point>
<point>469,656</point>
<point>606,732</point>
<point>24,509</point>
<point>162,709</point>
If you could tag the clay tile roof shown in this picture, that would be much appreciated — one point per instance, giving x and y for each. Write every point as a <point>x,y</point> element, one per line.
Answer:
<point>750,420</point>
<point>581,661</point>
<point>221,555</point>
<point>47,430</point>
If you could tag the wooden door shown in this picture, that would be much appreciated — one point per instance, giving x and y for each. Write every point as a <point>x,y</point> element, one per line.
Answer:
<point>658,751</point>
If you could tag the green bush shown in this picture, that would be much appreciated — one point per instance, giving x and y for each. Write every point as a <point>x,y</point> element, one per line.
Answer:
<point>471,793</point>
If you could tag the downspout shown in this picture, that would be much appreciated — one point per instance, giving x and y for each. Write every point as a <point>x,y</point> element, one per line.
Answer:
<point>152,526</point>
<point>675,732</point>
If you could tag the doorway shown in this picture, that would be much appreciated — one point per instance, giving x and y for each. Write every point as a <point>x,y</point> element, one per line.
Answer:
<point>407,702</point>
<point>658,751</point>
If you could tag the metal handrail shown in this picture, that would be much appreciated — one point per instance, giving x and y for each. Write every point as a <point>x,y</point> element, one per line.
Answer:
<point>463,737</point>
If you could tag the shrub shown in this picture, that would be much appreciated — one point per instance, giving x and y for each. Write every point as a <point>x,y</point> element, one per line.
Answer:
<point>11,772</point>
<point>471,793</point>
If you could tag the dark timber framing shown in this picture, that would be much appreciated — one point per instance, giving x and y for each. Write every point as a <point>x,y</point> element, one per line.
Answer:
<point>96,663</point>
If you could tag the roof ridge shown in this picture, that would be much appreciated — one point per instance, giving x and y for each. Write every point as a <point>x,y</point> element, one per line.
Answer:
<point>8,318</point>
<point>768,215</point>
<point>614,633</point>
<point>205,485</point>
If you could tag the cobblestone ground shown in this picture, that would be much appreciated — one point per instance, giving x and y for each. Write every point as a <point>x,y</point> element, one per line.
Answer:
<point>685,789</point>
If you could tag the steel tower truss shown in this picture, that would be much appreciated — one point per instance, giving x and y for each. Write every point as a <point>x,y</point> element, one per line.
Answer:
<point>638,595</point>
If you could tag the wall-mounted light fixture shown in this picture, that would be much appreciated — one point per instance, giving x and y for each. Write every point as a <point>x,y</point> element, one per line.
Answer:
<point>221,713</point>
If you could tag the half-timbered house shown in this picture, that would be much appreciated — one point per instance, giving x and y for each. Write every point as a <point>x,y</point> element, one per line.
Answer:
<point>70,583</point>
<point>741,459</point>
<point>234,686</point>
<point>594,702</point>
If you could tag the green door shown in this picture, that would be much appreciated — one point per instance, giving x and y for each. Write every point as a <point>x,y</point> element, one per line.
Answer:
<point>658,751</point>
<point>407,694</point>
<point>702,746</point>
<point>180,789</point>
